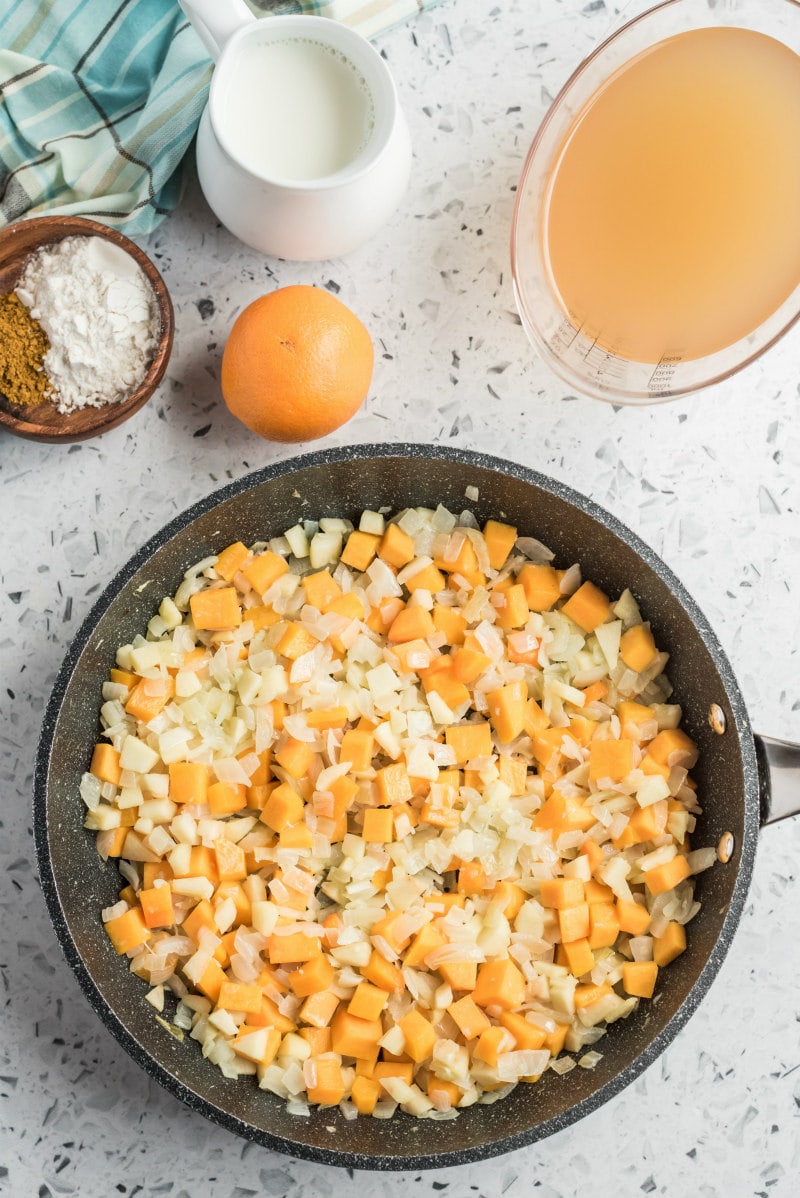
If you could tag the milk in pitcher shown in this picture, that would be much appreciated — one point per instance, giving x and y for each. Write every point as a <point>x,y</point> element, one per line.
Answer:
<point>295,109</point>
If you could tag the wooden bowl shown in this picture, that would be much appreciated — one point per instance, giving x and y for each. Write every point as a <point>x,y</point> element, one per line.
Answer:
<point>43,422</point>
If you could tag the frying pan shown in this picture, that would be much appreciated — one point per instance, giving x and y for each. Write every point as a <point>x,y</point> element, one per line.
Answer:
<point>743,780</point>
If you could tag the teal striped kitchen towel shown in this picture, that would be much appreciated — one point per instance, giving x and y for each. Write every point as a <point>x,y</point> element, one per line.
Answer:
<point>101,100</point>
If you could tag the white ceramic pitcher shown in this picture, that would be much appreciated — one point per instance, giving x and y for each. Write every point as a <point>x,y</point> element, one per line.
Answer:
<point>306,219</point>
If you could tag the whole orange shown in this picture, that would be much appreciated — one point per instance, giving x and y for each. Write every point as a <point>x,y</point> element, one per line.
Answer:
<point>297,364</point>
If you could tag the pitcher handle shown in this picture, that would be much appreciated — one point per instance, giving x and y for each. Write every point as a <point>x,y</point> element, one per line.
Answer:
<point>215,21</point>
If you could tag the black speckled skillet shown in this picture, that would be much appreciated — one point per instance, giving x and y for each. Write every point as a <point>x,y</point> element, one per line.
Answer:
<point>743,780</point>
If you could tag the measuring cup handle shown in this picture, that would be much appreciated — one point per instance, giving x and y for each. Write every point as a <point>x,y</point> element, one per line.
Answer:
<point>215,21</point>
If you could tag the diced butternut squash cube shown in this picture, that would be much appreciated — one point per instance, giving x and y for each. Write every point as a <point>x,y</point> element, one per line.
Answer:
<point>469,663</point>
<point>639,978</point>
<point>350,605</point>
<point>499,984</point>
<point>386,928</point>
<point>670,944</point>
<point>469,740</point>
<point>123,677</point>
<point>560,893</point>
<point>318,1009</point>
<point>440,676</point>
<point>592,850</point>
<point>528,1037</point>
<point>459,975</point>
<point>554,1041</point>
<point>589,607</point>
<point>450,622</point>
<point>201,916</point>
<point>368,1001</point>
<point>637,647</point>
<point>514,772</point>
<point>365,1093</point>
<point>212,980</point>
<point>426,940</point>
<point>188,782</point>
<point>105,764</point>
<point>491,1043</point>
<point>357,749</point>
<point>231,560</point>
<point>261,616</point>
<point>573,923</point>
<point>500,539</point>
<point>295,836</point>
<point>295,946</point>
<point>115,842</point>
<point>127,931</point>
<point>419,1035</point>
<point>595,692</point>
<point>383,973</point>
<point>325,718</point>
<point>633,715</point>
<point>384,1070</point>
<point>310,978</point>
<point>396,547</point>
<point>295,756</point>
<point>321,589</point>
<point>429,578</point>
<point>144,703</point>
<point>587,993</point>
<point>378,827</point>
<point>673,741</point>
<point>328,1087</point>
<point>224,798</point>
<point>594,891</point>
<point>610,759</point>
<point>579,956</point>
<point>318,1038</point>
<point>240,996</point>
<point>296,641</point>
<point>157,907</point>
<point>471,877</point>
<point>264,569</point>
<point>515,611</point>
<point>540,583</point>
<point>510,896</point>
<point>603,925</point>
<point>360,549</point>
<point>507,710</point>
<point>634,918</point>
<point>216,609</point>
<point>665,877</point>
<point>352,1036</point>
<point>440,1091</point>
<point>411,623</point>
<point>470,1019</point>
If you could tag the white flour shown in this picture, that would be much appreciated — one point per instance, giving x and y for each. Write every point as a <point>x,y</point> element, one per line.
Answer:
<point>99,312</point>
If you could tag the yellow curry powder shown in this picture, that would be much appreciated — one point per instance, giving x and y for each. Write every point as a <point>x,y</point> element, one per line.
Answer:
<point>23,344</point>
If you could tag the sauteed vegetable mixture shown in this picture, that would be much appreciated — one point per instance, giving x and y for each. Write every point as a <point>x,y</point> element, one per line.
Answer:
<point>403,812</point>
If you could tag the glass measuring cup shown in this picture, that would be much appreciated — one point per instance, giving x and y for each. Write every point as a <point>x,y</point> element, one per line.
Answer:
<point>568,342</point>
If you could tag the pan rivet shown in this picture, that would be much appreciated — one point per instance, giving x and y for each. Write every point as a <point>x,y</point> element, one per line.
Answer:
<point>725,847</point>
<point>716,718</point>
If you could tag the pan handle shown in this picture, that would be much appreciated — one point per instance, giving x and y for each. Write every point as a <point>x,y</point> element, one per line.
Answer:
<point>779,775</point>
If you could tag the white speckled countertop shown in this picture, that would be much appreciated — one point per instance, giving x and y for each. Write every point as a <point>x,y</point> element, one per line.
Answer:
<point>712,483</point>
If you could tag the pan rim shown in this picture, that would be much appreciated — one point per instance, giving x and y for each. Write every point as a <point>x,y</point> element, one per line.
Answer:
<point>335,1156</point>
